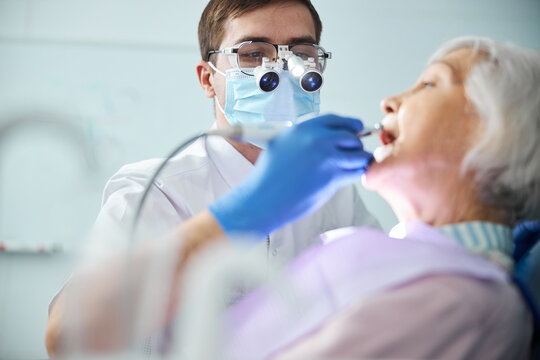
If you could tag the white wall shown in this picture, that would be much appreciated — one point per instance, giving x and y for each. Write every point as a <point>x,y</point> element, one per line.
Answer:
<point>122,73</point>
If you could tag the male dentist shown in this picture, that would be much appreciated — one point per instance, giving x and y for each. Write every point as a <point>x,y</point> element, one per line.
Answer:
<point>234,35</point>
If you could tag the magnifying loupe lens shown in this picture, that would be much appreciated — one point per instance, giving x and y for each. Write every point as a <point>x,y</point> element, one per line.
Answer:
<point>269,81</point>
<point>311,81</point>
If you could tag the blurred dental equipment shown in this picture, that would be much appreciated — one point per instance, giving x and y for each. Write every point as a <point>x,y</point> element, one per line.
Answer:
<point>210,281</point>
<point>48,121</point>
<point>261,132</point>
<point>16,248</point>
<point>31,127</point>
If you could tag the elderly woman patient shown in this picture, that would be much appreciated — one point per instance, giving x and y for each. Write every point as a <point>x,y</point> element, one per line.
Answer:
<point>459,164</point>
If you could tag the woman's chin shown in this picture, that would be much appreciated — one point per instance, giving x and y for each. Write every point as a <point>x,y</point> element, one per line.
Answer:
<point>375,172</point>
<point>371,178</point>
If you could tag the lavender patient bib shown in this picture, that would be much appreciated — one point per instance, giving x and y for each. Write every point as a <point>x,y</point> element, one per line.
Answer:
<point>328,278</point>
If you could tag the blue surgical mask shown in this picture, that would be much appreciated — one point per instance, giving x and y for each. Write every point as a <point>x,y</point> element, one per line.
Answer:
<point>245,103</point>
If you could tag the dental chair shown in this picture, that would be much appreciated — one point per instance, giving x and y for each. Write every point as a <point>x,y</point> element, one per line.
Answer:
<point>527,273</point>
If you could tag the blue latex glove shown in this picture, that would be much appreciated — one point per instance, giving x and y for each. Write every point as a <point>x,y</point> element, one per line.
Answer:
<point>301,169</point>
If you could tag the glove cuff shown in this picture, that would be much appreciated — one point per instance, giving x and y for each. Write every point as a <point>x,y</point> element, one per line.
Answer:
<point>237,218</point>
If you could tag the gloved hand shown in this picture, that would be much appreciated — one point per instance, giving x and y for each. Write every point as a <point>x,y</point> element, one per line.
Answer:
<point>301,169</point>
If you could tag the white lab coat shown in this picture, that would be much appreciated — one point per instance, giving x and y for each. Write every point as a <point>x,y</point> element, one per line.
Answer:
<point>195,178</point>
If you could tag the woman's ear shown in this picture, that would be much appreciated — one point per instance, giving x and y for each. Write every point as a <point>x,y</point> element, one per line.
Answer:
<point>206,79</point>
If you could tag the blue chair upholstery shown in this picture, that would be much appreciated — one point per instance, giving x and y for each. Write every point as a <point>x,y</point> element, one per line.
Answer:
<point>526,235</point>
<point>527,272</point>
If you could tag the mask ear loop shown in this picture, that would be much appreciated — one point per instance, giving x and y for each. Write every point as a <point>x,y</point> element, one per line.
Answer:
<point>220,107</point>
<point>216,69</point>
<point>223,111</point>
<point>215,97</point>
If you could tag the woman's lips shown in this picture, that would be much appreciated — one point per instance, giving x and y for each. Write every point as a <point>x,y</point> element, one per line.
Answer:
<point>387,137</point>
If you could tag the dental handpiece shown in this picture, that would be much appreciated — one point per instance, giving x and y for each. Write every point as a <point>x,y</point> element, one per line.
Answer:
<point>267,131</point>
<point>251,132</point>
<point>375,129</point>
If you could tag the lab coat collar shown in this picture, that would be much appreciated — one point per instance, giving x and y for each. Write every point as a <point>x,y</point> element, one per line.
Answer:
<point>231,165</point>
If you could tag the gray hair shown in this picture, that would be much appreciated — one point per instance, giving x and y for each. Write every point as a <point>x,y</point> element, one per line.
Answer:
<point>504,87</point>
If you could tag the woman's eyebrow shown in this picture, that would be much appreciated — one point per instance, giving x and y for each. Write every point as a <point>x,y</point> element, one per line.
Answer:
<point>455,72</point>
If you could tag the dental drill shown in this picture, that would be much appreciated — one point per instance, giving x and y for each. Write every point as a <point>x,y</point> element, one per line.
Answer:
<point>267,131</point>
<point>263,132</point>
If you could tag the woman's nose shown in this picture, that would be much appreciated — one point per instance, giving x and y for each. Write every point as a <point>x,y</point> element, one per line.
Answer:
<point>390,105</point>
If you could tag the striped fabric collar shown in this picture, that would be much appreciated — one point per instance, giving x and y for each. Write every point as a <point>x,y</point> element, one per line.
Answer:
<point>490,240</point>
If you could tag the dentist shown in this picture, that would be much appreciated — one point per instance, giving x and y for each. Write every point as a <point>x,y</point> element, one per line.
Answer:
<point>234,37</point>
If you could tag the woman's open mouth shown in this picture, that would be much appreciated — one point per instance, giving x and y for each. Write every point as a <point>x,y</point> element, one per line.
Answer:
<point>388,136</point>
